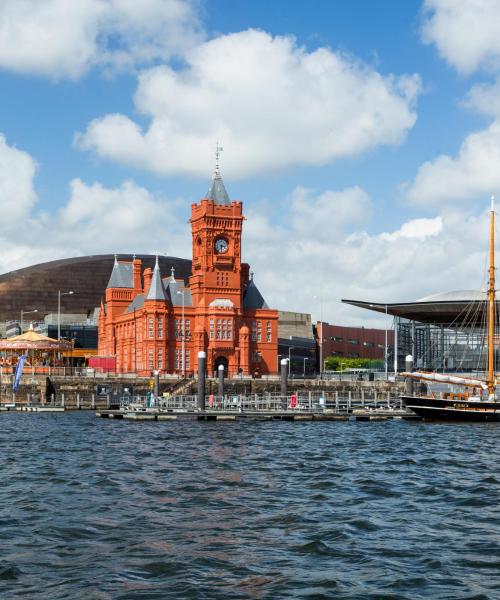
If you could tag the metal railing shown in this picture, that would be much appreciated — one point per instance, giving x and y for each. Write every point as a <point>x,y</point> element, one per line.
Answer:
<point>267,403</point>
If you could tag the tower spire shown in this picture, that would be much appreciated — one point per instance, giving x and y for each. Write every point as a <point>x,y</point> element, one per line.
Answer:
<point>217,191</point>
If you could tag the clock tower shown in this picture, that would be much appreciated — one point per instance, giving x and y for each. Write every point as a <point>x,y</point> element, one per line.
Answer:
<point>216,225</point>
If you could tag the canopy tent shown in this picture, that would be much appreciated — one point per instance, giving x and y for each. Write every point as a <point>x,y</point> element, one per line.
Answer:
<point>31,340</point>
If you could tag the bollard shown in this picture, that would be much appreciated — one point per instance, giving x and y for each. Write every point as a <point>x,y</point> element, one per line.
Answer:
<point>336,402</point>
<point>28,399</point>
<point>107,401</point>
<point>202,360</point>
<point>220,391</point>
<point>78,401</point>
<point>409,381</point>
<point>62,400</point>
<point>284,382</point>
<point>92,405</point>
<point>375,398</point>
<point>156,390</point>
<point>362,398</point>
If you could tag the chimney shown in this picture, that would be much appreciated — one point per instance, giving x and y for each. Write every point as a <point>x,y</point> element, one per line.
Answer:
<point>148,273</point>
<point>137,266</point>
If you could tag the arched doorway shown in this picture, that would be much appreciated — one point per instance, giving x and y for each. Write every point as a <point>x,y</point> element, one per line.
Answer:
<point>220,360</point>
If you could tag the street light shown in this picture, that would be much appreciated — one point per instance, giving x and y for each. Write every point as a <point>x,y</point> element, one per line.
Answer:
<point>321,337</point>
<point>59,294</point>
<point>385,347</point>
<point>183,332</point>
<point>341,365</point>
<point>25,312</point>
<point>290,359</point>
<point>304,370</point>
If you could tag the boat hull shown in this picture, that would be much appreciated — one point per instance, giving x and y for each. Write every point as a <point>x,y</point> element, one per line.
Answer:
<point>441,409</point>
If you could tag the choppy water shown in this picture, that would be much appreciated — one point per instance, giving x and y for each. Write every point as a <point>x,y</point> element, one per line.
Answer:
<point>95,508</point>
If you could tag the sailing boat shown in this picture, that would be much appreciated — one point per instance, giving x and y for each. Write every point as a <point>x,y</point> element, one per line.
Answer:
<point>477,401</point>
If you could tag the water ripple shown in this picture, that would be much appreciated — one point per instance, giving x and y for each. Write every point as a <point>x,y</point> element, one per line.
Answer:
<point>99,509</point>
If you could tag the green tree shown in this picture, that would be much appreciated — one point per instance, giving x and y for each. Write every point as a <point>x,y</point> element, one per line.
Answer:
<point>339,363</point>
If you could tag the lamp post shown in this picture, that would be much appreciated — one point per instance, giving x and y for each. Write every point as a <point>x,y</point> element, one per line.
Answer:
<point>321,337</point>
<point>304,369</point>
<point>385,346</point>
<point>25,312</point>
<point>59,294</point>
<point>341,365</point>
<point>290,360</point>
<point>183,335</point>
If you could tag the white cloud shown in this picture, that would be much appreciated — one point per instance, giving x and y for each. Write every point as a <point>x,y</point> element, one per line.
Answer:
<point>296,264</point>
<point>65,38</point>
<point>465,32</point>
<point>419,229</point>
<point>318,248</point>
<point>17,194</point>
<point>272,103</point>
<point>472,173</point>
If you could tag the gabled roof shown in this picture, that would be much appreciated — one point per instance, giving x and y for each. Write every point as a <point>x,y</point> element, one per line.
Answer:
<point>173,291</point>
<point>252,298</point>
<point>217,191</point>
<point>156,290</point>
<point>121,275</point>
<point>137,302</point>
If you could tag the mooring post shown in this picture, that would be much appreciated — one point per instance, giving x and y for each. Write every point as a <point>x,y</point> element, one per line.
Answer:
<point>92,405</point>
<point>409,380</point>
<point>336,401</point>
<point>156,389</point>
<point>362,397</point>
<point>220,392</point>
<point>202,363</point>
<point>78,401</point>
<point>375,398</point>
<point>284,382</point>
<point>62,400</point>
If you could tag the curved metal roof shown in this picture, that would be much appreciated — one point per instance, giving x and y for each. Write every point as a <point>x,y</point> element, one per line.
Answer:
<point>452,309</point>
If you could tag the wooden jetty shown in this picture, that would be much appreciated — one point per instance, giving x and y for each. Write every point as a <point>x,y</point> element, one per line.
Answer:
<point>275,415</point>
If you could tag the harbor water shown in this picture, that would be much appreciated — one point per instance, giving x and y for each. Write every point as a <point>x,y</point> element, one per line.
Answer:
<point>104,509</point>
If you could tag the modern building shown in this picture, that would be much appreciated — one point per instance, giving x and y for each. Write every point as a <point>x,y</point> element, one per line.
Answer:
<point>296,342</point>
<point>149,321</point>
<point>443,332</point>
<point>353,342</point>
<point>36,287</point>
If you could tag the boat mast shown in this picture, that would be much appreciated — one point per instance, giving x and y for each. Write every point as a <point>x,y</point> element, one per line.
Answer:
<point>491,304</point>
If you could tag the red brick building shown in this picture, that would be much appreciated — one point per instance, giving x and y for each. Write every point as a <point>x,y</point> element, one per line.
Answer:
<point>353,342</point>
<point>151,322</point>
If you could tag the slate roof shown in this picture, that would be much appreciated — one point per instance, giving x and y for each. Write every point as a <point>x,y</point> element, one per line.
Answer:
<point>252,298</point>
<point>172,287</point>
<point>137,302</point>
<point>121,275</point>
<point>156,290</point>
<point>217,191</point>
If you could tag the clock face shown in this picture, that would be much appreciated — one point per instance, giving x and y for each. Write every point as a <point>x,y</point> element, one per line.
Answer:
<point>221,246</point>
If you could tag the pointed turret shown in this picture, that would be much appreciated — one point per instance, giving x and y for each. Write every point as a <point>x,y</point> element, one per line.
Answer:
<point>121,275</point>
<point>252,298</point>
<point>156,289</point>
<point>217,191</point>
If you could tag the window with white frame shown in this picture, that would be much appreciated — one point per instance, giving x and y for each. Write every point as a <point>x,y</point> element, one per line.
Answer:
<point>269,332</point>
<point>160,359</point>
<point>151,359</point>
<point>160,328</point>
<point>151,329</point>
<point>212,329</point>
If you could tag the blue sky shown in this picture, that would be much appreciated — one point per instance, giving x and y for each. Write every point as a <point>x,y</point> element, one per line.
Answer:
<point>361,136</point>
